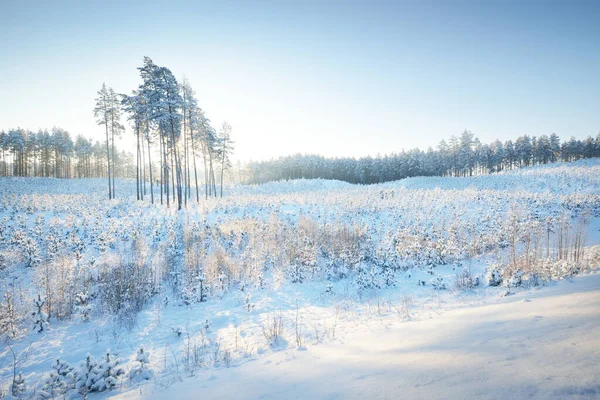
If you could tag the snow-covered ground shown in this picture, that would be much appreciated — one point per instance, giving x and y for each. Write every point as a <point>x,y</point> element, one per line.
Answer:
<point>311,289</point>
<point>537,344</point>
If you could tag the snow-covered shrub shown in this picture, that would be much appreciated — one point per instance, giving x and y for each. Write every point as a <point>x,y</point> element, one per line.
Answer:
<point>301,253</point>
<point>177,331</point>
<point>31,252</point>
<point>367,278</point>
<point>87,376</point>
<point>17,387</point>
<point>109,372</point>
<point>220,269</point>
<point>273,330</point>
<point>124,289</point>
<point>438,283</point>
<point>336,269</point>
<point>341,245</point>
<point>60,381</point>
<point>9,316</point>
<point>84,309</point>
<point>515,279</point>
<point>297,272</point>
<point>494,277</point>
<point>141,370</point>
<point>465,280</point>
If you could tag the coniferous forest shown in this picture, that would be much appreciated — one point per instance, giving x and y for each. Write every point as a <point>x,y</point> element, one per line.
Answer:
<point>55,154</point>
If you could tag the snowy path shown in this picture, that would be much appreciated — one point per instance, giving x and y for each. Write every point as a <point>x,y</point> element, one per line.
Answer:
<point>538,344</point>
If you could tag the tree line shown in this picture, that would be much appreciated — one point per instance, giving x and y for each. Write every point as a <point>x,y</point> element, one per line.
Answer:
<point>464,155</point>
<point>54,153</point>
<point>166,120</point>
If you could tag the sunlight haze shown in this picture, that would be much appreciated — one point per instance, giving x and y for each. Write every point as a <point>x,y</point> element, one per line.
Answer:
<point>349,78</point>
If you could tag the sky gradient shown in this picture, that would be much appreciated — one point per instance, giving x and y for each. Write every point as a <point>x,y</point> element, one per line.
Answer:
<point>335,78</point>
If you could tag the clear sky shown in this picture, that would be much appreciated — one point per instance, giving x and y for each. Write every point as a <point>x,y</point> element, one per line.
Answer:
<point>339,78</point>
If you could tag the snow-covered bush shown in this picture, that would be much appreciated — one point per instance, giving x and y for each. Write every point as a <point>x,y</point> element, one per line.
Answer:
<point>17,387</point>
<point>273,330</point>
<point>60,381</point>
<point>9,316</point>
<point>84,308</point>
<point>109,371</point>
<point>494,277</point>
<point>87,376</point>
<point>438,283</point>
<point>31,252</point>
<point>465,280</point>
<point>141,370</point>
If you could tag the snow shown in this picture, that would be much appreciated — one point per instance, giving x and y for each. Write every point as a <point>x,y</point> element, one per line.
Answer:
<point>341,336</point>
<point>537,344</point>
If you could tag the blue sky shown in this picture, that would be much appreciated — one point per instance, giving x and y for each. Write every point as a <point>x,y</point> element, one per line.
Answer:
<point>330,77</point>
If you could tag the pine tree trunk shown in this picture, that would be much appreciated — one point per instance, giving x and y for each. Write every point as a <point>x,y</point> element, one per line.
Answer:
<point>166,172</point>
<point>108,160</point>
<point>222,170</point>
<point>112,131</point>
<point>195,170</point>
<point>161,167</point>
<point>177,166</point>
<point>150,169</point>
<point>137,166</point>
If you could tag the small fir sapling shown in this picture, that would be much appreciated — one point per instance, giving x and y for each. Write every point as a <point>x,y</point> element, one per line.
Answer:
<point>60,381</point>
<point>87,376</point>
<point>18,385</point>
<point>438,283</point>
<point>39,317</point>
<point>141,371</point>
<point>494,277</point>
<point>109,372</point>
<point>83,307</point>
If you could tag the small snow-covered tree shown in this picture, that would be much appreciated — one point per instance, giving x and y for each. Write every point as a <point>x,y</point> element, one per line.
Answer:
<point>201,291</point>
<point>83,306</point>
<point>494,277</point>
<point>367,278</point>
<point>9,318</point>
<point>109,372</point>
<point>438,283</point>
<point>31,252</point>
<point>516,279</point>
<point>18,385</point>
<point>87,376</point>
<point>60,381</point>
<point>141,371</point>
<point>40,318</point>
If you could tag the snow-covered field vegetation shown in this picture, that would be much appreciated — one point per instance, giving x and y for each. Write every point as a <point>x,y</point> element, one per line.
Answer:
<point>125,297</point>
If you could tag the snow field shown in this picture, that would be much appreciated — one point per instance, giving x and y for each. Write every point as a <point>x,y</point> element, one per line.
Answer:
<point>276,269</point>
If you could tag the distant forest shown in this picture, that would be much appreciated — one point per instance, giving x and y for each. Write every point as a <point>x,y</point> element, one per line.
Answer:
<point>53,153</point>
<point>460,156</point>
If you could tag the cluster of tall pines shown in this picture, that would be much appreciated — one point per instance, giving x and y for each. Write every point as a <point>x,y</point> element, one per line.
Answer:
<point>460,156</point>
<point>172,133</point>
<point>165,118</point>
